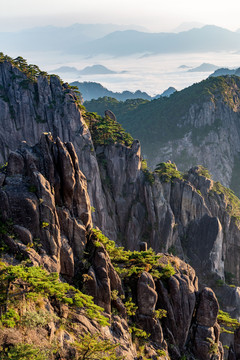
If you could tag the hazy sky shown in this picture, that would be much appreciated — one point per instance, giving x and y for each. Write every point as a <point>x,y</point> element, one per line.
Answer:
<point>156,15</point>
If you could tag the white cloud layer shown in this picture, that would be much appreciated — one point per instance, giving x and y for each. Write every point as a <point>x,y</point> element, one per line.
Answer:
<point>156,15</point>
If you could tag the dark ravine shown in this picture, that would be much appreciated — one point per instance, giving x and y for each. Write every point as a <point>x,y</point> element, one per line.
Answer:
<point>47,189</point>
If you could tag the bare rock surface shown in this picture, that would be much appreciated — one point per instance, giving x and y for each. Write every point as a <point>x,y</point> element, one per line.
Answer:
<point>42,182</point>
<point>147,296</point>
<point>129,206</point>
<point>102,278</point>
<point>208,305</point>
<point>46,193</point>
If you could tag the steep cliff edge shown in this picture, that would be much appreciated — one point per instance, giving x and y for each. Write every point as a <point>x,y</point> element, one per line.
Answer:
<point>46,220</point>
<point>33,102</point>
<point>46,191</point>
<point>191,215</point>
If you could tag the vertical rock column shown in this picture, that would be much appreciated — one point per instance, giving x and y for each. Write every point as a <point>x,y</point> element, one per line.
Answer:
<point>206,331</point>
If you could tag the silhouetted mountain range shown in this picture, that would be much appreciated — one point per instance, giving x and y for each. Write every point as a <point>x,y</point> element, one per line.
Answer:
<point>205,67</point>
<point>226,71</point>
<point>208,38</point>
<point>54,38</point>
<point>94,39</point>
<point>88,70</point>
<point>93,90</point>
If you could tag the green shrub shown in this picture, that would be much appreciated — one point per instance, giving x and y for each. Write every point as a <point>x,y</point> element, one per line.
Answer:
<point>160,313</point>
<point>213,349</point>
<point>106,131</point>
<point>24,352</point>
<point>168,171</point>
<point>92,347</point>
<point>139,333</point>
<point>231,200</point>
<point>10,318</point>
<point>167,271</point>
<point>39,281</point>
<point>226,347</point>
<point>39,318</point>
<point>114,295</point>
<point>203,171</point>
<point>144,164</point>
<point>225,320</point>
<point>149,176</point>
<point>133,263</point>
<point>130,307</point>
<point>161,352</point>
<point>3,167</point>
<point>44,224</point>
<point>220,282</point>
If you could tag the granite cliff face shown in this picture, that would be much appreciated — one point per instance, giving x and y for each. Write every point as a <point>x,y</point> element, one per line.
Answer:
<point>47,191</point>
<point>130,205</point>
<point>188,216</point>
<point>29,107</point>
<point>44,194</point>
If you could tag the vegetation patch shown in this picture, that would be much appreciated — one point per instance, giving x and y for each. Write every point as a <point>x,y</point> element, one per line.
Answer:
<point>24,352</point>
<point>105,130</point>
<point>203,171</point>
<point>213,347</point>
<point>138,333</point>
<point>168,171</point>
<point>92,347</point>
<point>32,281</point>
<point>121,108</point>
<point>231,200</point>
<point>149,176</point>
<point>227,323</point>
<point>132,263</point>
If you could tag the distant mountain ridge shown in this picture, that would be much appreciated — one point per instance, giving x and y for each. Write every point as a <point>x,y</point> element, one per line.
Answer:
<point>93,90</point>
<point>96,69</point>
<point>57,38</point>
<point>204,67</point>
<point>226,71</point>
<point>128,42</point>
<point>88,70</point>
<point>94,39</point>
